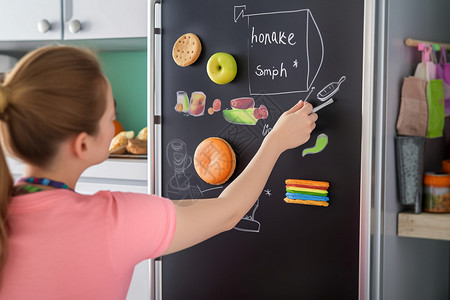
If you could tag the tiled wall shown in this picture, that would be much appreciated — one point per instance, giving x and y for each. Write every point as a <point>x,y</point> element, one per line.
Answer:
<point>128,76</point>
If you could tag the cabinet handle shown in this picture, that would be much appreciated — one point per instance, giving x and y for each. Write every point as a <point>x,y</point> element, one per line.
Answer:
<point>43,26</point>
<point>74,26</point>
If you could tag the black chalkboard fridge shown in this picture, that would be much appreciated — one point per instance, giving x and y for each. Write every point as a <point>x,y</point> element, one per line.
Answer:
<point>285,51</point>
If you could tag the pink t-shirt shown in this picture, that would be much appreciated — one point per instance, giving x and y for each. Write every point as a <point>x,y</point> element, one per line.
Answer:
<point>65,245</point>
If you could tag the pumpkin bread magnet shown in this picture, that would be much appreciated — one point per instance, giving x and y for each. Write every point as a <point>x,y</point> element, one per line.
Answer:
<point>214,160</point>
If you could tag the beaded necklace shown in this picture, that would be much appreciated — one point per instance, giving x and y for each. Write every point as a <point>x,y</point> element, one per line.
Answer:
<point>42,181</point>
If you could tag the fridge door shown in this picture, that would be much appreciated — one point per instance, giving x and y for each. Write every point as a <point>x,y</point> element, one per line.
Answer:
<point>285,52</point>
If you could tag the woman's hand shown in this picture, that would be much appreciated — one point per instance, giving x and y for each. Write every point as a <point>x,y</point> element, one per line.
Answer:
<point>293,128</point>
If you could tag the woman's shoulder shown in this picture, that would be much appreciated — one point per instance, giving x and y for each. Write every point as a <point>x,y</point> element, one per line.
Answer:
<point>124,196</point>
<point>66,198</point>
<point>129,200</point>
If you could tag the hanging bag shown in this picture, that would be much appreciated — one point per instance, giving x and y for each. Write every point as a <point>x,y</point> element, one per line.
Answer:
<point>443,72</point>
<point>436,110</point>
<point>426,69</point>
<point>413,115</point>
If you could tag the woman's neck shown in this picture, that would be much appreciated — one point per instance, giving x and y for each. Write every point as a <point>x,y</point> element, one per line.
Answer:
<point>62,172</point>
<point>65,167</point>
<point>32,171</point>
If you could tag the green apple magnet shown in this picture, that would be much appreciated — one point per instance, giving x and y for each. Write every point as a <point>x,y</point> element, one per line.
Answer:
<point>221,68</point>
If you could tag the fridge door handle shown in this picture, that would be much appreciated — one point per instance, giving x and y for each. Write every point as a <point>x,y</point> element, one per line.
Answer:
<point>151,88</point>
<point>152,120</point>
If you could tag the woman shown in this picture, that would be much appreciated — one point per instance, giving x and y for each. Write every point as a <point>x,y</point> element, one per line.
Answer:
<point>56,115</point>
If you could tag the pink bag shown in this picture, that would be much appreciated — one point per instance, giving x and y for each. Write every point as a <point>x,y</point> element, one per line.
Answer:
<point>426,69</point>
<point>443,72</point>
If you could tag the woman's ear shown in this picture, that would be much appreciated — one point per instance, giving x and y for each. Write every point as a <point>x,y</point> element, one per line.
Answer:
<point>80,145</point>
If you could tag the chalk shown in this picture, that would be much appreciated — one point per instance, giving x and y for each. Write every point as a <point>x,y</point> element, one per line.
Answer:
<point>319,107</point>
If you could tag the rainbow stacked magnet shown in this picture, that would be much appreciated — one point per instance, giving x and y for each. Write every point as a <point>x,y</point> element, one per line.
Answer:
<point>307,192</point>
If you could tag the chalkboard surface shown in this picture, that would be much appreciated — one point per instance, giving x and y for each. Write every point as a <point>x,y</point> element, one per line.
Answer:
<point>285,51</point>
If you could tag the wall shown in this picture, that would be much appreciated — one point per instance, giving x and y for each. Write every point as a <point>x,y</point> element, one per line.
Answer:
<point>127,72</point>
<point>411,268</point>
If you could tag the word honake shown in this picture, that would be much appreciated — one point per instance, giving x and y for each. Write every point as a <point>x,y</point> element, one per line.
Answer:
<point>273,37</point>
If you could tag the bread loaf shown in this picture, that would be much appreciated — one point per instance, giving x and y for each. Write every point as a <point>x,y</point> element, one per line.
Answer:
<point>142,135</point>
<point>136,146</point>
<point>119,142</point>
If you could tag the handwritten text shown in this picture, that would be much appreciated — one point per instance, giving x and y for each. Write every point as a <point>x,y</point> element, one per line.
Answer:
<point>273,72</point>
<point>273,37</point>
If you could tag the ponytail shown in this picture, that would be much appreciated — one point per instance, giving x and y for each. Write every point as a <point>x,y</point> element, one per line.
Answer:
<point>6,186</point>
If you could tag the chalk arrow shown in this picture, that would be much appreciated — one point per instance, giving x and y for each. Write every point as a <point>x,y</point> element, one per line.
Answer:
<point>239,12</point>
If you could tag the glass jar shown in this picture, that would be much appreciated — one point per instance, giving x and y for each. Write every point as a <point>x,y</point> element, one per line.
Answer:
<point>436,193</point>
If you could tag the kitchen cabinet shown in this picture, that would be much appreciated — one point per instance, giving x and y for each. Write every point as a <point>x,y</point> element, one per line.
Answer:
<point>25,20</point>
<point>125,175</point>
<point>30,20</point>
<point>103,19</point>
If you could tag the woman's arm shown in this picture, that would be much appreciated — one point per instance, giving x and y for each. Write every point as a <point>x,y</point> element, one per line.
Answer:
<point>208,217</point>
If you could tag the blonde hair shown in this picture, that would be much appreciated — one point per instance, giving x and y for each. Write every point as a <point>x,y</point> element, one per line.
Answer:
<point>52,94</point>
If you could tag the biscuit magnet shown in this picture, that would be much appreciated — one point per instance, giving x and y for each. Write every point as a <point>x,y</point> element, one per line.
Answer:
<point>186,50</point>
<point>321,143</point>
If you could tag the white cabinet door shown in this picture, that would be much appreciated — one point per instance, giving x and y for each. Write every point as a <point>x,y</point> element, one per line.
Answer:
<point>30,20</point>
<point>104,19</point>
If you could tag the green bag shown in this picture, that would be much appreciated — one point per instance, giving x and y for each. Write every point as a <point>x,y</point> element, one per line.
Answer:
<point>436,108</point>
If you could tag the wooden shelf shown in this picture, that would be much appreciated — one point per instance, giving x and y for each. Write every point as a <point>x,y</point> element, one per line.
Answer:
<point>424,225</point>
